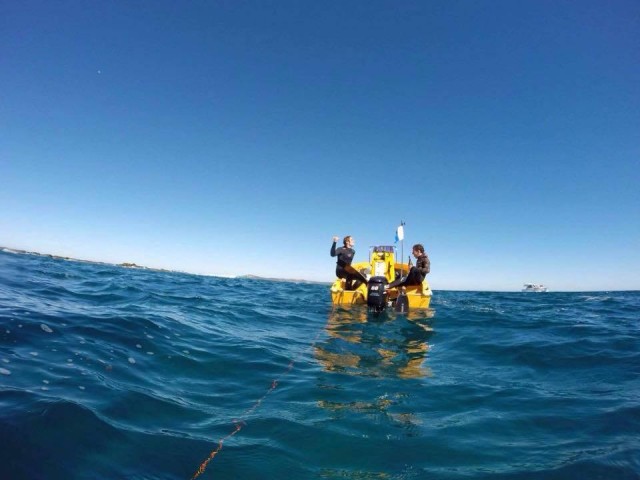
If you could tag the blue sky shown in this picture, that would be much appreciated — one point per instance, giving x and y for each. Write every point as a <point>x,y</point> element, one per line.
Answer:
<point>238,137</point>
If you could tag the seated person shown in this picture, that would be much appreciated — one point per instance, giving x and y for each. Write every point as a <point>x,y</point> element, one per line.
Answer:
<point>345,256</point>
<point>416,274</point>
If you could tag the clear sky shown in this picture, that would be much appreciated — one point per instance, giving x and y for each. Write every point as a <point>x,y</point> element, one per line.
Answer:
<point>235,137</point>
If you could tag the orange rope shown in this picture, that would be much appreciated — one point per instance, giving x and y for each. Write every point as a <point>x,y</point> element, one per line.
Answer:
<point>203,465</point>
<point>238,424</point>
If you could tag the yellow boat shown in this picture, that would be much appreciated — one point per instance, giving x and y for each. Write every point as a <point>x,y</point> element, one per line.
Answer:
<point>381,269</point>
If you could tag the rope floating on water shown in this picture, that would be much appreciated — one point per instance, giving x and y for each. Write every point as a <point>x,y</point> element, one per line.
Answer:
<point>239,424</point>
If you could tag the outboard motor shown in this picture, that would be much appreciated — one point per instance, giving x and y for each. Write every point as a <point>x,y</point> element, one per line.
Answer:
<point>376,296</point>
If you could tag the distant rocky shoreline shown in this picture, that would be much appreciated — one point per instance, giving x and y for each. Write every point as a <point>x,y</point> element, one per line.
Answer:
<point>59,257</point>
<point>141,267</point>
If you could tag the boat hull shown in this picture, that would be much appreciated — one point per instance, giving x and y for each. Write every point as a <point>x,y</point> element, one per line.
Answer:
<point>418,296</point>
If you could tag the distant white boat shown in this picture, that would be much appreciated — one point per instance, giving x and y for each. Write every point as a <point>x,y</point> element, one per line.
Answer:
<point>534,287</point>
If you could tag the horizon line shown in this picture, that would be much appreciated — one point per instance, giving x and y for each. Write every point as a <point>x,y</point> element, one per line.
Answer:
<point>249,276</point>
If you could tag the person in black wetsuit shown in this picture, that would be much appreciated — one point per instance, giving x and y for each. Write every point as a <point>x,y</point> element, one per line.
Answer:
<point>416,274</point>
<point>345,256</point>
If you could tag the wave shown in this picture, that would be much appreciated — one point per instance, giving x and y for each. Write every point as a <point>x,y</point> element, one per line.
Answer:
<point>108,372</point>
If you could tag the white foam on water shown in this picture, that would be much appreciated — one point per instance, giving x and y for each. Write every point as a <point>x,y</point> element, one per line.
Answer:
<point>4,371</point>
<point>131,360</point>
<point>46,328</point>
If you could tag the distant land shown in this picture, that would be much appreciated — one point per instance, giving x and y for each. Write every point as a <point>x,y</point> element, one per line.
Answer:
<point>141,267</point>
<point>58,257</point>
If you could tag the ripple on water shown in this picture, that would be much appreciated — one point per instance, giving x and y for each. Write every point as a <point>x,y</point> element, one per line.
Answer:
<point>143,363</point>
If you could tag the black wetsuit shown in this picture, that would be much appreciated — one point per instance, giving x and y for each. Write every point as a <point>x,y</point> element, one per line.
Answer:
<point>345,257</point>
<point>416,274</point>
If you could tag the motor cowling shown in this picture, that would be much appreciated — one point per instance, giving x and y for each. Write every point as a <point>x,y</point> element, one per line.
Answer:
<point>376,295</point>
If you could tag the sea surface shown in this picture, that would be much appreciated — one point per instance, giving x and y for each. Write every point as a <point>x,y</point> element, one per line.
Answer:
<point>115,373</point>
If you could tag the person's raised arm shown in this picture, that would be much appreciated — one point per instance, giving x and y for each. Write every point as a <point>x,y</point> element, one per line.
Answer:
<point>333,246</point>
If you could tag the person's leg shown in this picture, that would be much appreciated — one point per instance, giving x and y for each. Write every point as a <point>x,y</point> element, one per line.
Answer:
<point>397,282</point>
<point>414,277</point>
<point>355,283</point>
<point>352,282</point>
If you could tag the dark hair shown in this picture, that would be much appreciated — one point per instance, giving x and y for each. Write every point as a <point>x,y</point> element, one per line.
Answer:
<point>344,240</point>
<point>418,247</point>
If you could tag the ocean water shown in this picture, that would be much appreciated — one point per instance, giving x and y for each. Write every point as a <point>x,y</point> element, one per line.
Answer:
<point>114,373</point>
